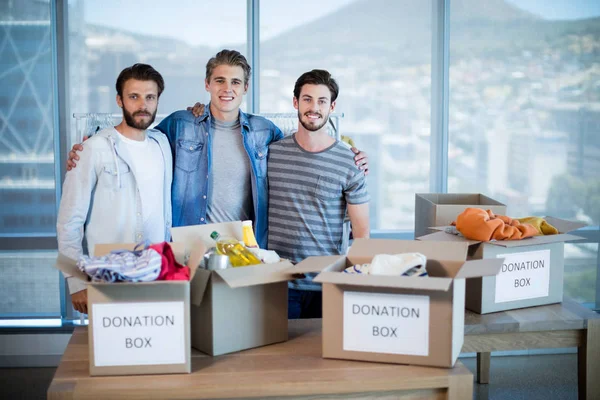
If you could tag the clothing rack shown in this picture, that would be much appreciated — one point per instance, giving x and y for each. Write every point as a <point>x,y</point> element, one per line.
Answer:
<point>86,124</point>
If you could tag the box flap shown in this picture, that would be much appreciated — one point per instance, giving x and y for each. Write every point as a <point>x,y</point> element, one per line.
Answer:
<point>439,228</point>
<point>256,274</point>
<point>447,237</point>
<point>190,235</point>
<point>563,225</point>
<point>439,250</point>
<point>385,281</point>
<point>316,264</point>
<point>69,266</point>
<point>535,240</point>
<point>198,286</point>
<point>462,199</point>
<point>479,268</point>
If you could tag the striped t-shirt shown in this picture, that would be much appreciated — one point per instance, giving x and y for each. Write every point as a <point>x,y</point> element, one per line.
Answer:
<point>308,194</point>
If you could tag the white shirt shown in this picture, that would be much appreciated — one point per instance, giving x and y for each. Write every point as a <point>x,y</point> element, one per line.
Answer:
<point>148,168</point>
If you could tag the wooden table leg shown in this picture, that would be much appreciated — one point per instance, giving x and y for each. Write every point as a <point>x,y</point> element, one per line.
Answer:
<point>483,367</point>
<point>460,385</point>
<point>588,362</point>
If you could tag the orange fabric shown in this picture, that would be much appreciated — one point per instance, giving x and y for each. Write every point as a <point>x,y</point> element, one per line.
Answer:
<point>479,224</point>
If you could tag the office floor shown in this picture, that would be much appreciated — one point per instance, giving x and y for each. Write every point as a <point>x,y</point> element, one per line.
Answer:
<point>539,377</point>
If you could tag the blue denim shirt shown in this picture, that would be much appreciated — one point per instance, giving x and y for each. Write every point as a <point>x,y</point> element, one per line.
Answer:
<point>190,140</point>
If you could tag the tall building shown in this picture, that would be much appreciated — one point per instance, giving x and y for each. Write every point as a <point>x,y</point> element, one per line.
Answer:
<point>27,188</point>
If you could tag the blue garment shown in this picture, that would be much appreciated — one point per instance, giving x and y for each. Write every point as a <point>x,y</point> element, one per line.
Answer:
<point>304,304</point>
<point>190,140</point>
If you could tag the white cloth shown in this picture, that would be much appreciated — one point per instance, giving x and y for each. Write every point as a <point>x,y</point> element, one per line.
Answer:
<point>149,166</point>
<point>397,264</point>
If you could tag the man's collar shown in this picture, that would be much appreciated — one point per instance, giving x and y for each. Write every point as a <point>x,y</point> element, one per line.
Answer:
<point>243,117</point>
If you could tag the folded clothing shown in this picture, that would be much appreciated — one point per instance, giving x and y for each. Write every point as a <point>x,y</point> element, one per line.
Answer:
<point>479,224</point>
<point>143,264</point>
<point>358,269</point>
<point>123,266</point>
<point>398,264</point>
<point>404,264</point>
<point>539,223</point>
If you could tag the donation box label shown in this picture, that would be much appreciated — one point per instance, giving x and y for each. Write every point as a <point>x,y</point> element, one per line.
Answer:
<point>386,323</point>
<point>139,333</point>
<point>523,276</point>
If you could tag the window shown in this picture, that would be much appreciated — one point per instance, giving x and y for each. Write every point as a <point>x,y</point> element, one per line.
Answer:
<point>175,38</point>
<point>380,54</point>
<point>524,115</point>
<point>29,285</point>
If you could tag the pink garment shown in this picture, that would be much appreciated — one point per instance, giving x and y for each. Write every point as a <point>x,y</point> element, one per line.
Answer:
<point>171,270</point>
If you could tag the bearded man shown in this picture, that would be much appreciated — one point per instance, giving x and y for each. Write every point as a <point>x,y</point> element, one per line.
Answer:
<point>120,191</point>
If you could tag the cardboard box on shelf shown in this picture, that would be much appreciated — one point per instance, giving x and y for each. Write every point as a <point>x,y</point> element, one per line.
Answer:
<point>137,328</point>
<point>439,209</point>
<point>237,308</point>
<point>396,319</point>
<point>531,275</point>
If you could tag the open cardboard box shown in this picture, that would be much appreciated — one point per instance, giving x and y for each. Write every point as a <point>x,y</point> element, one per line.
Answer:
<point>437,209</point>
<point>532,272</point>
<point>236,308</point>
<point>137,328</point>
<point>396,319</point>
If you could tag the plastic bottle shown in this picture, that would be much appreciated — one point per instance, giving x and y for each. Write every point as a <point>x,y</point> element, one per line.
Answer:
<point>248,234</point>
<point>239,256</point>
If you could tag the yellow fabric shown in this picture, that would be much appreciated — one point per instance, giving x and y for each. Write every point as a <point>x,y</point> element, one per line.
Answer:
<point>539,223</point>
<point>348,140</point>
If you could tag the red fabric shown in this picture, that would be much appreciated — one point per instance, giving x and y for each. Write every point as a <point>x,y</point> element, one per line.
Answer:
<point>170,270</point>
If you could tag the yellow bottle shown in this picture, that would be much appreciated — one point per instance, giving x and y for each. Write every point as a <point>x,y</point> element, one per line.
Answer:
<point>239,256</point>
<point>248,234</point>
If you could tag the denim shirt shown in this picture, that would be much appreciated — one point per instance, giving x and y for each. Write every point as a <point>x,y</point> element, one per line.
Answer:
<point>190,140</point>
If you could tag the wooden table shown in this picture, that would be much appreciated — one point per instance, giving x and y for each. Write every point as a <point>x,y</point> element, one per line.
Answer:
<point>558,325</point>
<point>294,369</point>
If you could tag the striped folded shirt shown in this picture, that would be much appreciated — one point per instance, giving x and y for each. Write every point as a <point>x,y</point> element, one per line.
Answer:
<point>123,266</point>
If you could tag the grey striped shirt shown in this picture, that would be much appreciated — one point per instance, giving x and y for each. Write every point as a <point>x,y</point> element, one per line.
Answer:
<point>308,194</point>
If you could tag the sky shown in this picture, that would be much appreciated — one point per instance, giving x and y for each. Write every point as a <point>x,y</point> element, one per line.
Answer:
<point>223,22</point>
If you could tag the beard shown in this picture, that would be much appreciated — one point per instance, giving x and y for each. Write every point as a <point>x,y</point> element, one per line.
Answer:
<point>130,119</point>
<point>311,126</point>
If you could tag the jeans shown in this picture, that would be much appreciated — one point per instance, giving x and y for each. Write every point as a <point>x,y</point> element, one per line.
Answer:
<point>304,304</point>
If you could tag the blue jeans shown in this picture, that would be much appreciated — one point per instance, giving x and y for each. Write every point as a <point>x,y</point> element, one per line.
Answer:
<point>304,304</point>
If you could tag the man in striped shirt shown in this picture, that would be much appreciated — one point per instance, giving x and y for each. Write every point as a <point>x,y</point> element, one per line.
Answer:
<point>313,180</point>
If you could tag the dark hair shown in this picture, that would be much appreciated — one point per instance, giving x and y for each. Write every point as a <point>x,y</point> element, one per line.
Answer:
<point>228,57</point>
<point>140,72</point>
<point>317,77</point>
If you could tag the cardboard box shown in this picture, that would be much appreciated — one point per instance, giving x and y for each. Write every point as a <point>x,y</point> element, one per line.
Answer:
<point>137,328</point>
<point>440,209</point>
<point>531,275</point>
<point>404,320</point>
<point>237,308</point>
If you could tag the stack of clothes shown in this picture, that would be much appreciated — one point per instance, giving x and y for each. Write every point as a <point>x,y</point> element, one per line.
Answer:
<point>485,226</point>
<point>144,264</point>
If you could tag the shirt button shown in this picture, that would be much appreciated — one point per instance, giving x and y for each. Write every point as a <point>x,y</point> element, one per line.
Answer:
<point>203,197</point>
<point>139,214</point>
<point>139,236</point>
<point>260,154</point>
<point>206,176</point>
<point>202,219</point>
<point>206,133</point>
<point>191,147</point>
